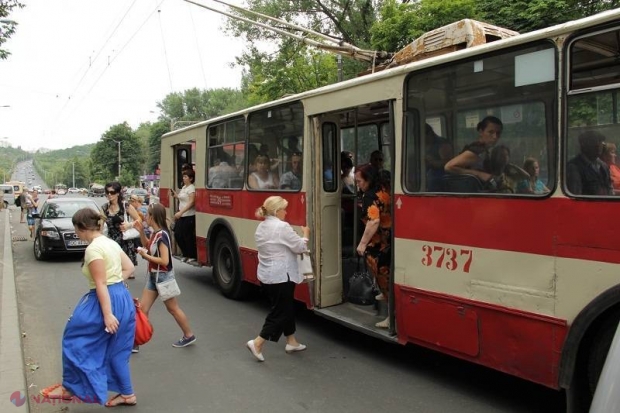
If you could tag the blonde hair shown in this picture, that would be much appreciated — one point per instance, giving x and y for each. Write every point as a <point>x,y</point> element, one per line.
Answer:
<point>271,205</point>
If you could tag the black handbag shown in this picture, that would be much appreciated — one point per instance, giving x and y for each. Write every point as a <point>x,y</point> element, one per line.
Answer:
<point>361,286</point>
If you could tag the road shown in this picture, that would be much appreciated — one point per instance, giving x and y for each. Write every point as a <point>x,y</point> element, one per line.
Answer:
<point>342,371</point>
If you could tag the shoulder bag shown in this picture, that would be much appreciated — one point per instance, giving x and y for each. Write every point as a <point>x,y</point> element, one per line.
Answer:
<point>304,266</point>
<point>144,328</point>
<point>361,286</point>
<point>131,233</point>
<point>166,289</point>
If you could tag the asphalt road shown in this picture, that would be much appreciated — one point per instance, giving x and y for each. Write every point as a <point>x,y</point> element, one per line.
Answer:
<point>342,371</point>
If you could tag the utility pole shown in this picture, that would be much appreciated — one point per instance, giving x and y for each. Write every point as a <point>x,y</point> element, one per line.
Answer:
<point>73,186</point>
<point>119,159</point>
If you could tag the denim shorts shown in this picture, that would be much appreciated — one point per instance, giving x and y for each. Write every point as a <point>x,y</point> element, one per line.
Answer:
<point>163,276</point>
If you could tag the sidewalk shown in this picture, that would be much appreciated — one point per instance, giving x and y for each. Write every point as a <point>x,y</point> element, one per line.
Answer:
<point>13,394</point>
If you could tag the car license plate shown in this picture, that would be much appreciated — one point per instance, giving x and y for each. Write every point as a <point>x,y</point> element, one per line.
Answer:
<point>76,243</point>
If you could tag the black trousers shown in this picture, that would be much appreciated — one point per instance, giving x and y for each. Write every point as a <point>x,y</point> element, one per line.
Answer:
<point>185,235</point>
<point>281,317</point>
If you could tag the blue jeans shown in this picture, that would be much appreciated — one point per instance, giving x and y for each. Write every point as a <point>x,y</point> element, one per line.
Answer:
<point>163,276</point>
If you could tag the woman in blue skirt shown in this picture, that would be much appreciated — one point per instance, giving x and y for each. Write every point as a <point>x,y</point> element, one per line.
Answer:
<point>98,338</point>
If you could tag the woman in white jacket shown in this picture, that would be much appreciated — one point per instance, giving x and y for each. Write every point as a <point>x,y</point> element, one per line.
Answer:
<point>278,244</point>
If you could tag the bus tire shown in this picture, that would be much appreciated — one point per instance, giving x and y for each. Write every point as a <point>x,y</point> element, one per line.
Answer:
<point>227,269</point>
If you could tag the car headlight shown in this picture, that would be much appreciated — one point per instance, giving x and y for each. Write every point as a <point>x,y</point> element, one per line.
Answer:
<point>50,233</point>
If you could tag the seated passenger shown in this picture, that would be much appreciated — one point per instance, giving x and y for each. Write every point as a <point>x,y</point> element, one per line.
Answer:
<point>221,174</point>
<point>474,159</point>
<point>292,178</point>
<point>533,185</point>
<point>505,175</point>
<point>438,151</point>
<point>609,157</point>
<point>262,178</point>
<point>586,173</point>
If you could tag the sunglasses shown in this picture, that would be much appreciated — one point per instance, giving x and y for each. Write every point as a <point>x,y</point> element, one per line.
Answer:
<point>110,192</point>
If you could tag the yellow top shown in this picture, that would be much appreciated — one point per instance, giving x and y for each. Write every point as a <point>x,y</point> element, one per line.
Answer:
<point>103,248</point>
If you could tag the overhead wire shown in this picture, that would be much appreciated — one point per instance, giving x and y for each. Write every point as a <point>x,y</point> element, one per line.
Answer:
<point>202,68</point>
<point>163,42</point>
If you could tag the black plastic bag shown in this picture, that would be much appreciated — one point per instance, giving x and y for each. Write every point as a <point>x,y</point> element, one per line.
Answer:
<point>361,286</point>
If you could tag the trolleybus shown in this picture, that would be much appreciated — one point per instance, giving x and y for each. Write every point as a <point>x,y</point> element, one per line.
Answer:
<point>525,283</point>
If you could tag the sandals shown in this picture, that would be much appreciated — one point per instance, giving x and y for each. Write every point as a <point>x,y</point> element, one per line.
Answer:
<point>125,401</point>
<point>63,395</point>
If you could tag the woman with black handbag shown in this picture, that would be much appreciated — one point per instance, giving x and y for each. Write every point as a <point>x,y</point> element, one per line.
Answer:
<point>278,245</point>
<point>376,239</point>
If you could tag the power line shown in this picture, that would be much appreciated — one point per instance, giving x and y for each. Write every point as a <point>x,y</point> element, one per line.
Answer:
<point>202,68</point>
<point>163,42</point>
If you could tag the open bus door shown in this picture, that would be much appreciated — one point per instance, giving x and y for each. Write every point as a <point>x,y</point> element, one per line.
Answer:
<point>326,140</point>
<point>182,156</point>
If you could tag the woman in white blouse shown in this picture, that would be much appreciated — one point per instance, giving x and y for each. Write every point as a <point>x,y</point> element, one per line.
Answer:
<point>278,245</point>
<point>185,225</point>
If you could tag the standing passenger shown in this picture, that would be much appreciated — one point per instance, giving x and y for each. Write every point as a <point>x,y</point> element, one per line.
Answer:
<point>95,360</point>
<point>185,226</point>
<point>586,173</point>
<point>277,245</point>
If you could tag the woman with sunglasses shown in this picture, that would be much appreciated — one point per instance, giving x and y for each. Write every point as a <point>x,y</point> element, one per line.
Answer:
<point>115,211</point>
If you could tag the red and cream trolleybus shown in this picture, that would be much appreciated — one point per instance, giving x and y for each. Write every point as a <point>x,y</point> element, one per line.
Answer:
<point>525,281</point>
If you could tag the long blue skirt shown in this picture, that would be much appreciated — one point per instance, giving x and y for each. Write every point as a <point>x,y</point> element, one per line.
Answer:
<point>93,361</point>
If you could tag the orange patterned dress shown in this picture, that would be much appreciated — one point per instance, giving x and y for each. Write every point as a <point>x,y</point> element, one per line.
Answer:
<point>378,256</point>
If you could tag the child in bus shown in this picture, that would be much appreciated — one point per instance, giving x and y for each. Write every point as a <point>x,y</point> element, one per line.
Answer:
<point>533,185</point>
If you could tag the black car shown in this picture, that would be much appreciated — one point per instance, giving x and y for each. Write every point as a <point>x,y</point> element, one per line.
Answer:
<point>54,232</point>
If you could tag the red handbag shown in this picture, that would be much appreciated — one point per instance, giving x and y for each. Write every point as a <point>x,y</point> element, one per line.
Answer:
<point>144,328</point>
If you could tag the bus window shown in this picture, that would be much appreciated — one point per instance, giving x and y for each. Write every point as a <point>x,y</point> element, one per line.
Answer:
<point>517,87</point>
<point>593,113</point>
<point>274,134</point>
<point>226,148</point>
<point>330,177</point>
<point>411,151</point>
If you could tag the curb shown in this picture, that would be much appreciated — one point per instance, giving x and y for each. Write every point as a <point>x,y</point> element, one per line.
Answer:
<point>13,392</point>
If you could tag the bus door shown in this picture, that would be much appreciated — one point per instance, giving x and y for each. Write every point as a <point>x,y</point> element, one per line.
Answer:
<point>328,254</point>
<point>182,157</point>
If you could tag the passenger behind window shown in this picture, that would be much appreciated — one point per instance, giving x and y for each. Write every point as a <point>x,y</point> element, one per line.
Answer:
<point>292,178</point>
<point>505,175</point>
<point>220,175</point>
<point>348,183</point>
<point>609,157</point>
<point>263,178</point>
<point>474,159</point>
<point>586,173</point>
<point>385,178</point>
<point>438,151</point>
<point>533,185</point>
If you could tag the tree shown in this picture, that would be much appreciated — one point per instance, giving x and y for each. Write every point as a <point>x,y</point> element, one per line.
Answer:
<point>7,27</point>
<point>157,130</point>
<point>105,155</point>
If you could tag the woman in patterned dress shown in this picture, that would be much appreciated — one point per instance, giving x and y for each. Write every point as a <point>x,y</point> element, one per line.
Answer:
<point>376,239</point>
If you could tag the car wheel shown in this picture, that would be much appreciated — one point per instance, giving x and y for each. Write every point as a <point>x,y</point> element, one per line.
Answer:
<point>39,254</point>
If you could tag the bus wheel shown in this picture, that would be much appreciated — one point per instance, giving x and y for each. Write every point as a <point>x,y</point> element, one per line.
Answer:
<point>227,269</point>
<point>38,250</point>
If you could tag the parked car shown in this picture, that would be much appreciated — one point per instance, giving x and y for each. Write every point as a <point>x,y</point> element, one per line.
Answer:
<point>8,195</point>
<point>96,190</point>
<point>54,232</point>
<point>73,191</point>
<point>140,192</point>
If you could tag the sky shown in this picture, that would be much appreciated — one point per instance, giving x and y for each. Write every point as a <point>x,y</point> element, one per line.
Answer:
<point>78,67</point>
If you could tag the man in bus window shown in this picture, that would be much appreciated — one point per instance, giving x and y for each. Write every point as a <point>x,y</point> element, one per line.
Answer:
<point>376,160</point>
<point>292,178</point>
<point>220,175</point>
<point>586,173</point>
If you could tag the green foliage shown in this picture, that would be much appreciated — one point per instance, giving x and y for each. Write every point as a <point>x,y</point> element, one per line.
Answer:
<point>9,157</point>
<point>56,167</point>
<point>7,27</point>
<point>157,130</point>
<point>105,156</point>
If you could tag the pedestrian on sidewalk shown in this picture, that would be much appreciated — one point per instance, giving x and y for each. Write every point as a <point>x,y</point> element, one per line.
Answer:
<point>23,197</point>
<point>278,244</point>
<point>157,254</point>
<point>97,342</point>
<point>33,208</point>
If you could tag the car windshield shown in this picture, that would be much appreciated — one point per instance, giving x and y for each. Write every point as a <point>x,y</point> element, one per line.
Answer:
<point>139,192</point>
<point>65,209</point>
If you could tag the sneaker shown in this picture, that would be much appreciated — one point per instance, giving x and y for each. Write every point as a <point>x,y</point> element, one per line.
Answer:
<point>135,349</point>
<point>184,341</point>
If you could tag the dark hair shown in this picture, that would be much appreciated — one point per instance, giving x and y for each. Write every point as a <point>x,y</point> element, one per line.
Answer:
<point>485,122</point>
<point>346,163</point>
<point>158,214</point>
<point>370,174</point>
<point>116,186</point>
<point>88,219</point>
<point>190,174</point>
